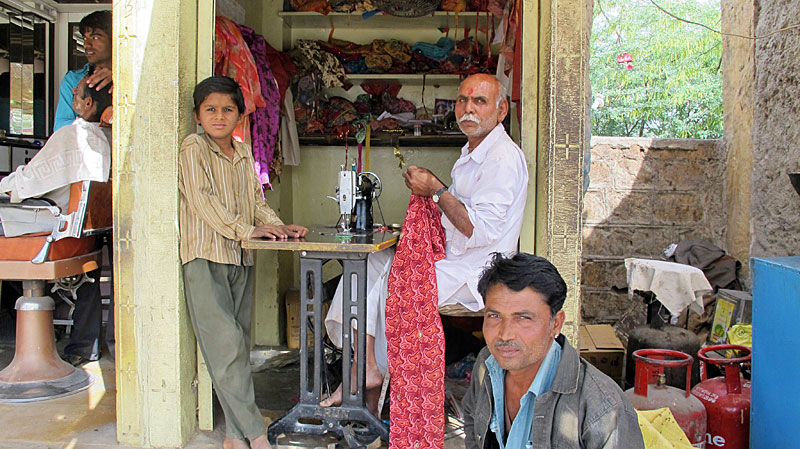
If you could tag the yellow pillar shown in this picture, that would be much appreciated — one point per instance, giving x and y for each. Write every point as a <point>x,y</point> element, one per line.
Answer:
<point>155,61</point>
<point>561,61</point>
<point>738,103</point>
<point>531,93</point>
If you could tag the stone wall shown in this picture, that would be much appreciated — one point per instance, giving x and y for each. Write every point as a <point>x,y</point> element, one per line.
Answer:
<point>645,194</point>
<point>776,132</point>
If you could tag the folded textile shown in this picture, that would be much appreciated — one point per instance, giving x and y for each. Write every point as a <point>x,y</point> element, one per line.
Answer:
<point>320,6</point>
<point>439,51</point>
<point>310,56</point>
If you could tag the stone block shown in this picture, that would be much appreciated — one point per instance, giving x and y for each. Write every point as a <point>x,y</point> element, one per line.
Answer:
<point>601,173</point>
<point>633,152</point>
<point>716,236</point>
<point>595,209</point>
<point>685,175</point>
<point>604,274</point>
<point>600,306</point>
<point>631,207</point>
<point>635,173</point>
<point>601,152</point>
<point>626,241</point>
<point>673,208</point>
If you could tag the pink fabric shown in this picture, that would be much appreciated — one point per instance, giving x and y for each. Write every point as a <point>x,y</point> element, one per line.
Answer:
<point>414,331</point>
<point>265,120</point>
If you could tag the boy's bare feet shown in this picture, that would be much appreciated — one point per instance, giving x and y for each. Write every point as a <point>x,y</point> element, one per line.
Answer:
<point>233,443</point>
<point>260,443</point>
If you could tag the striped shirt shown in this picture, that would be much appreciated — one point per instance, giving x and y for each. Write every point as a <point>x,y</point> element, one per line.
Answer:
<point>220,201</point>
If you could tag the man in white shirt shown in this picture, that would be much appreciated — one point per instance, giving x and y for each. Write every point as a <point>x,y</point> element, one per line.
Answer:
<point>482,214</point>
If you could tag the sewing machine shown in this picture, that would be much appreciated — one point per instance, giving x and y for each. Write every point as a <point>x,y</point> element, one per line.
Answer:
<point>354,194</point>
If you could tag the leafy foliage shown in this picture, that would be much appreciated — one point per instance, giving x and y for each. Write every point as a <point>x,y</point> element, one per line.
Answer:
<point>672,86</point>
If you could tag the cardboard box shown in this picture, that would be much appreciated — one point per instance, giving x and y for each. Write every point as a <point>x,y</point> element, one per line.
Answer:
<point>601,347</point>
<point>292,301</point>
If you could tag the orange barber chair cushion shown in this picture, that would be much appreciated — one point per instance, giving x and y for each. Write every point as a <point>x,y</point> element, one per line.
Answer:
<point>26,247</point>
<point>98,215</point>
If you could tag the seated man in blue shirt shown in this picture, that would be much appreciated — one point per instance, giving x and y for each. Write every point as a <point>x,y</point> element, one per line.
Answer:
<point>529,388</point>
<point>96,31</point>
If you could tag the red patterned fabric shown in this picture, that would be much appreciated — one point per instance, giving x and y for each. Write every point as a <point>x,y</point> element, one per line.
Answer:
<point>414,331</point>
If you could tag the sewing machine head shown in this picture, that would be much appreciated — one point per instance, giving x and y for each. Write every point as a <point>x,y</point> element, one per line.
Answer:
<point>354,194</point>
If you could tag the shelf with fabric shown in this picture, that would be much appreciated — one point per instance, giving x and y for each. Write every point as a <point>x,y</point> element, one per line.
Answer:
<point>428,80</point>
<point>433,79</point>
<point>384,140</point>
<point>439,19</point>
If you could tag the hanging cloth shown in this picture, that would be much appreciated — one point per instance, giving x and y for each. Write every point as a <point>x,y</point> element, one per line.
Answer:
<point>282,68</point>
<point>414,332</point>
<point>232,58</point>
<point>290,142</point>
<point>265,120</point>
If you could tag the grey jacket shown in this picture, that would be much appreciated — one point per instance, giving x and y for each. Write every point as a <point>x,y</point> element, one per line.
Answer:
<point>583,409</point>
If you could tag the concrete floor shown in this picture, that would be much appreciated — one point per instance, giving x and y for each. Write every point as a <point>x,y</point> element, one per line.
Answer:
<point>87,419</point>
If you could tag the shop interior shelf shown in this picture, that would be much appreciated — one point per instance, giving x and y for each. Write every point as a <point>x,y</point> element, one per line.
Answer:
<point>383,140</point>
<point>408,78</point>
<point>439,19</point>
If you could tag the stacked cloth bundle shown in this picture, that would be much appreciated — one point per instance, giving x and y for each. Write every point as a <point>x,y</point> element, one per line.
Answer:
<point>395,56</point>
<point>414,334</point>
<point>339,117</point>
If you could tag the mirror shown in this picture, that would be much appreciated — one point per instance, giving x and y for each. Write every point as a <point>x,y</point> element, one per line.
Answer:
<point>23,79</point>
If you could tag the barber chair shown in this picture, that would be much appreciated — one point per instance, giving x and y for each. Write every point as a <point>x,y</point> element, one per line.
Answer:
<point>70,250</point>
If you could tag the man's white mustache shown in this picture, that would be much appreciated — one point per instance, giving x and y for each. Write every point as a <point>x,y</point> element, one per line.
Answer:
<point>471,118</point>
<point>508,344</point>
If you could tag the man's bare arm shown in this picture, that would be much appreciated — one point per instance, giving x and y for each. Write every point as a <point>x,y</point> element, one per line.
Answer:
<point>456,212</point>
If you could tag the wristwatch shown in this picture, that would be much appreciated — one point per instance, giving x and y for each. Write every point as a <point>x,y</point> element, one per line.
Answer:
<point>438,194</point>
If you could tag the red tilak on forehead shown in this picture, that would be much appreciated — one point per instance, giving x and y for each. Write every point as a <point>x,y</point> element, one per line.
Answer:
<point>469,92</point>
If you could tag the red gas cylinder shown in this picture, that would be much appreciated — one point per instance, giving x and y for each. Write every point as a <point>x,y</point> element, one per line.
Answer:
<point>726,398</point>
<point>649,391</point>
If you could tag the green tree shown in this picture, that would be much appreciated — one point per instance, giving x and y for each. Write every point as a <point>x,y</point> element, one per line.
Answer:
<point>672,86</point>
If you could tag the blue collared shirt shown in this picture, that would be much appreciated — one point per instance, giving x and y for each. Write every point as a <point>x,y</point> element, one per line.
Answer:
<point>520,434</point>
<point>64,113</point>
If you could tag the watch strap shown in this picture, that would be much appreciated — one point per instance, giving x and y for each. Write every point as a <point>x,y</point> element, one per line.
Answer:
<point>438,194</point>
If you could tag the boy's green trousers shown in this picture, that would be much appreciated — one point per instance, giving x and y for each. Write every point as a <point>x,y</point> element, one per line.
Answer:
<point>220,300</point>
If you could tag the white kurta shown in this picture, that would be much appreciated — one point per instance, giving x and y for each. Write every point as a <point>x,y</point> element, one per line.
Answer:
<point>492,183</point>
<point>76,152</point>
